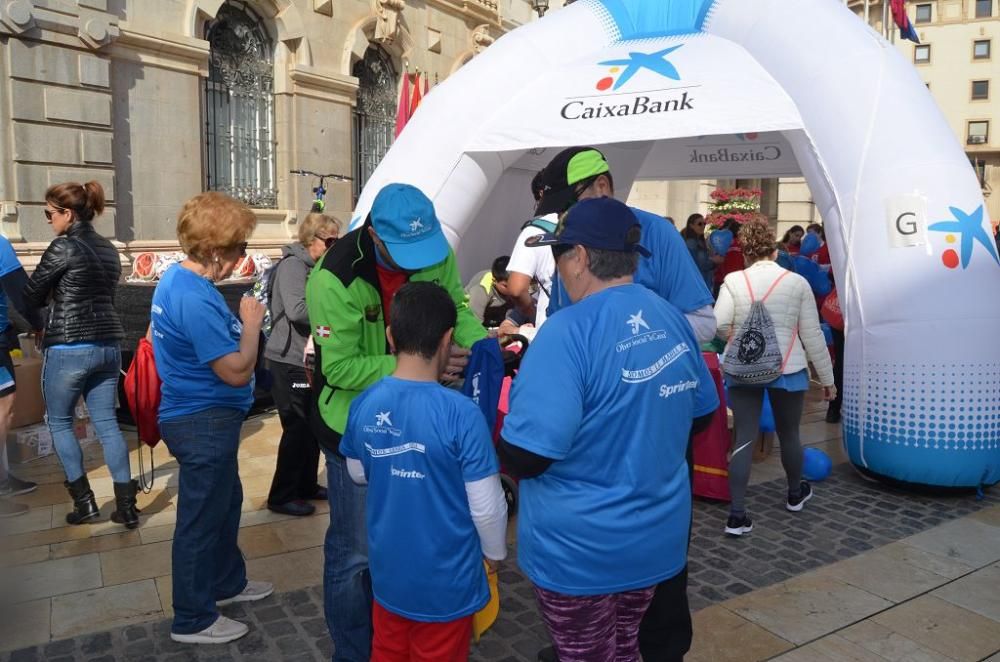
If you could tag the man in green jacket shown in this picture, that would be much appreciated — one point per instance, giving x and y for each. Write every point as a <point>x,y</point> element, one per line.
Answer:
<point>349,297</point>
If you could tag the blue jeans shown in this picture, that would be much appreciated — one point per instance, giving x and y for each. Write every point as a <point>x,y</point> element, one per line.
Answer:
<point>207,562</point>
<point>91,371</point>
<point>347,586</point>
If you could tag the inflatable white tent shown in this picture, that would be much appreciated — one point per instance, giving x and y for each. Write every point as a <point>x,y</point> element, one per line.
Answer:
<point>754,88</point>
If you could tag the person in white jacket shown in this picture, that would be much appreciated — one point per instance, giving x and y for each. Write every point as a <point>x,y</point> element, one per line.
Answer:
<point>792,308</point>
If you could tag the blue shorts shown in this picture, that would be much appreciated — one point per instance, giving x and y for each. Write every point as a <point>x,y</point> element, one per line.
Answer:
<point>7,382</point>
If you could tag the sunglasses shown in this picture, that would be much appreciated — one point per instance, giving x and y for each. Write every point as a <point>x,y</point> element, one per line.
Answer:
<point>327,241</point>
<point>48,213</point>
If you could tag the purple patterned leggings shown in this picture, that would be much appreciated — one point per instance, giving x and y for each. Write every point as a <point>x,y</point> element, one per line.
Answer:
<point>595,628</point>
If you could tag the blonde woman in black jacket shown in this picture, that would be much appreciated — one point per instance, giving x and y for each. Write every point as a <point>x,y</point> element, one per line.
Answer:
<point>76,278</point>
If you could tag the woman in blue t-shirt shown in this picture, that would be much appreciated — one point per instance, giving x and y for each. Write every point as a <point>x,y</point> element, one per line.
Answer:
<point>205,358</point>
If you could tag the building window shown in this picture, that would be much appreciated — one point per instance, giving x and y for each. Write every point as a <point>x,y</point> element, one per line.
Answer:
<point>239,107</point>
<point>979,132</point>
<point>922,54</point>
<point>984,8</point>
<point>981,49</point>
<point>375,113</point>
<point>924,13</point>
<point>980,89</point>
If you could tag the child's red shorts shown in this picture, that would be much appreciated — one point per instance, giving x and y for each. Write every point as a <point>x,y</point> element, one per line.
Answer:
<point>398,639</point>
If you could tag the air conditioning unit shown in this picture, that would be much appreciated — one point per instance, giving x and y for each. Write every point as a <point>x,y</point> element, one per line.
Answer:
<point>977,140</point>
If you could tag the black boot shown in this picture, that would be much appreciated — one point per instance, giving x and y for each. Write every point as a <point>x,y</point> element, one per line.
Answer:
<point>125,511</point>
<point>84,504</point>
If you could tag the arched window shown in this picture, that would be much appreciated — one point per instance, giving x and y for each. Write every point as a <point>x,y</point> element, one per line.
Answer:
<point>375,113</point>
<point>239,106</point>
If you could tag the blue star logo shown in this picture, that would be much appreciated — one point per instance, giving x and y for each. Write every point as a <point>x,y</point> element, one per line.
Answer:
<point>970,228</point>
<point>653,61</point>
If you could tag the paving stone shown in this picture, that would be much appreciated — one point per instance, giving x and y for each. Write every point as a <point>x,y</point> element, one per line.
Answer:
<point>270,614</point>
<point>279,629</point>
<point>253,643</point>
<point>848,516</point>
<point>325,647</point>
<point>305,610</point>
<point>96,643</point>
<point>292,645</point>
<point>135,633</point>
<point>57,648</point>
<point>315,627</point>
<point>140,648</point>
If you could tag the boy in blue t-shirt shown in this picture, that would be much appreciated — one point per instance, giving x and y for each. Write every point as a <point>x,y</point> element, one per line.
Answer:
<point>435,507</point>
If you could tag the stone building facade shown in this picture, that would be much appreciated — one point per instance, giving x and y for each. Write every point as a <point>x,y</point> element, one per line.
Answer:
<point>161,99</point>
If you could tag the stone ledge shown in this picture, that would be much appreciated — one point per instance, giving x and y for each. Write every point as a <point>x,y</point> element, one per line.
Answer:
<point>167,51</point>
<point>308,81</point>
<point>473,9</point>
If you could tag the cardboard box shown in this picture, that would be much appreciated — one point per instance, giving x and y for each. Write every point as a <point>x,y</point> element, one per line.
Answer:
<point>29,443</point>
<point>34,441</point>
<point>29,406</point>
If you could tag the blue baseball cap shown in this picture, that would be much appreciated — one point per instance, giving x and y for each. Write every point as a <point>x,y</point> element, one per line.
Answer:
<point>404,219</point>
<point>603,223</point>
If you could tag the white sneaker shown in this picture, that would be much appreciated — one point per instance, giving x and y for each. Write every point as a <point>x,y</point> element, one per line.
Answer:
<point>254,591</point>
<point>222,631</point>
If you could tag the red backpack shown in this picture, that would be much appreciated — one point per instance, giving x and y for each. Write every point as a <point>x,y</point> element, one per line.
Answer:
<point>142,390</point>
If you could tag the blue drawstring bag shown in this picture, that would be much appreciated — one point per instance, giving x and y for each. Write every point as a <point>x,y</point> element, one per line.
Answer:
<point>484,378</point>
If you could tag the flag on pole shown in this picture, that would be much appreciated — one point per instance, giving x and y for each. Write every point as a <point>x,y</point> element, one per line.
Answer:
<point>417,96</point>
<point>403,110</point>
<point>906,29</point>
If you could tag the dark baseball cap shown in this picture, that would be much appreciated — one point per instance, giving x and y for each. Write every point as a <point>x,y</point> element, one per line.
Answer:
<point>603,223</point>
<point>557,181</point>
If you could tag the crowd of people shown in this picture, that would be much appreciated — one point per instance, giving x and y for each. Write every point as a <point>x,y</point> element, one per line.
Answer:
<point>618,304</point>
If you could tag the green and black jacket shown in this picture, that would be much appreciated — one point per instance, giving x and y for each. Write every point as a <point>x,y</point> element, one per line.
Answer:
<point>348,325</point>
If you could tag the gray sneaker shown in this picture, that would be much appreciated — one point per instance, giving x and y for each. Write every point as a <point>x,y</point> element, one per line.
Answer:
<point>254,591</point>
<point>222,631</point>
<point>14,486</point>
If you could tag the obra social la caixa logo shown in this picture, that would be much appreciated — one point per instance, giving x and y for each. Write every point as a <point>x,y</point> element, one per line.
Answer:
<point>621,71</point>
<point>962,232</point>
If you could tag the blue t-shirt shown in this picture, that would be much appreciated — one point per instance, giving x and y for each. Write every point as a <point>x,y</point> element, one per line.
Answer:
<point>420,443</point>
<point>192,326</point>
<point>8,264</point>
<point>670,271</point>
<point>608,390</point>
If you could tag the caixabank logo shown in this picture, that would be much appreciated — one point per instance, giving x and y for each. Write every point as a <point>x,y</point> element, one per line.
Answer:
<point>966,230</point>
<point>619,102</point>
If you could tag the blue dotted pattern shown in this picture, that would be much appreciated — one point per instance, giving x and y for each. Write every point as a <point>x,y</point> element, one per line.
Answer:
<point>923,422</point>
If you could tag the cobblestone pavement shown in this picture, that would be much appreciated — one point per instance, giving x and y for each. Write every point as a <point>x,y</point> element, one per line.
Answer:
<point>847,516</point>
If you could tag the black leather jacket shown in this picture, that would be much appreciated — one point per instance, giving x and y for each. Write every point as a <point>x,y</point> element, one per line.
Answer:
<point>77,277</point>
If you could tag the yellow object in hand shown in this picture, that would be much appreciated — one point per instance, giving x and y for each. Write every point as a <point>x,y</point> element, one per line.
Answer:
<point>483,619</point>
<point>16,354</point>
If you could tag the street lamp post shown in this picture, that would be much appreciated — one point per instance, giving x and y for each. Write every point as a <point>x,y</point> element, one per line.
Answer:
<point>540,6</point>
